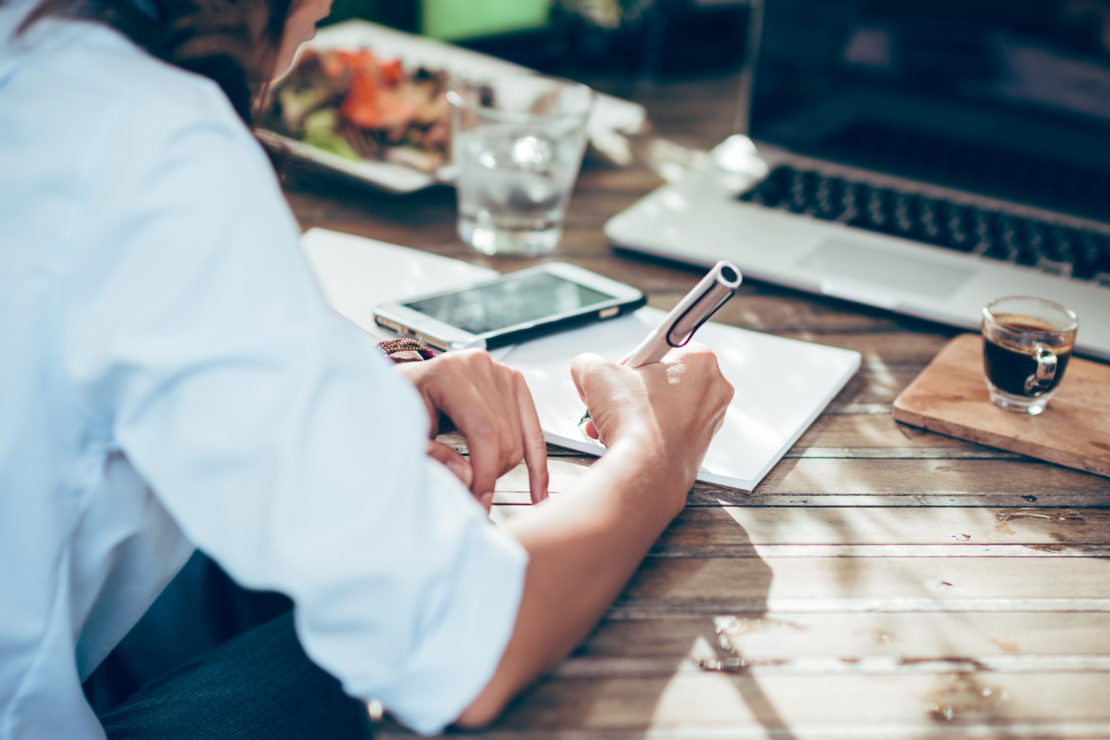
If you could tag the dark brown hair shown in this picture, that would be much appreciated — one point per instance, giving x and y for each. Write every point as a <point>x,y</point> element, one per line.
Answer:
<point>232,42</point>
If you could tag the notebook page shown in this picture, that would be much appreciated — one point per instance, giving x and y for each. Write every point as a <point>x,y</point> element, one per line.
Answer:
<point>781,386</point>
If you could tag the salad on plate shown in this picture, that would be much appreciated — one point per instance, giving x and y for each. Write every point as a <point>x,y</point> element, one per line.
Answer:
<point>358,106</point>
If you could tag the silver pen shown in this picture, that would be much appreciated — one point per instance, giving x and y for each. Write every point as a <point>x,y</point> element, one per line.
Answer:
<point>678,326</point>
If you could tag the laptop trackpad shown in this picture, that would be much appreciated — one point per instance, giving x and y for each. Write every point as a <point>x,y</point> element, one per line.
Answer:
<point>885,270</point>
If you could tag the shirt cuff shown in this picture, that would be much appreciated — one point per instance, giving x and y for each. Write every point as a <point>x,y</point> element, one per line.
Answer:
<point>461,645</point>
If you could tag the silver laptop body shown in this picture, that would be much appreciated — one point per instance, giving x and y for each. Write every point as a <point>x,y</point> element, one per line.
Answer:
<point>937,156</point>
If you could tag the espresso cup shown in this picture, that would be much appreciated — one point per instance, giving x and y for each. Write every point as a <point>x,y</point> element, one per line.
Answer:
<point>1027,343</point>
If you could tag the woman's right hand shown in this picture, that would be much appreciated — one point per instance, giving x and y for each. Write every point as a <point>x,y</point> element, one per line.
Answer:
<point>671,409</point>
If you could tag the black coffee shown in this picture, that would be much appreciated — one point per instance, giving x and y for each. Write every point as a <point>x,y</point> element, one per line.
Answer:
<point>1009,364</point>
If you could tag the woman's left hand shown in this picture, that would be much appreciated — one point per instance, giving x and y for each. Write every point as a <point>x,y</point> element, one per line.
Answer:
<point>491,406</point>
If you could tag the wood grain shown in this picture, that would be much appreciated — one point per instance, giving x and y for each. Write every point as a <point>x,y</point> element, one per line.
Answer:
<point>770,636</point>
<point>757,704</point>
<point>951,397</point>
<point>884,581</point>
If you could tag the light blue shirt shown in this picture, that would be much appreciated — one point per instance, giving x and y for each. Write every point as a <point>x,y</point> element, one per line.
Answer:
<point>172,377</point>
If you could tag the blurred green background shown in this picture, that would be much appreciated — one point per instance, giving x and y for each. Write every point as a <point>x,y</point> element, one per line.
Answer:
<point>448,19</point>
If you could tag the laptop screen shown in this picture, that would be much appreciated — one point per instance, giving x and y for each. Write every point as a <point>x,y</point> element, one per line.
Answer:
<point>1010,99</point>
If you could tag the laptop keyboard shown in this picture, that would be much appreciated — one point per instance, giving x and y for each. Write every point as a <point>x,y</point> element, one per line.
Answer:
<point>1050,247</point>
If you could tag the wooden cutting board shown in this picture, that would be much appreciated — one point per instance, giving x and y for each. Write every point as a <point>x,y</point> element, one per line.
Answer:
<point>950,397</point>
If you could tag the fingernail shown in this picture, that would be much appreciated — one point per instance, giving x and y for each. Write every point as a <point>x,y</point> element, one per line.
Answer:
<point>462,471</point>
<point>486,500</point>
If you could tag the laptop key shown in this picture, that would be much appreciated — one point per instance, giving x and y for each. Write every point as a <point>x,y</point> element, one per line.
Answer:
<point>904,221</point>
<point>959,236</point>
<point>1061,244</point>
<point>1054,267</point>
<point>1098,252</point>
<point>1089,257</point>
<point>876,209</point>
<point>828,198</point>
<point>982,226</point>
<point>931,227</point>
<point>1050,248</point>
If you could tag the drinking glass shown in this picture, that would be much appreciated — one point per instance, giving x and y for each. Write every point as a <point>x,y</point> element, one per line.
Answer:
<point>517,143</point>
<point>1027,343</point>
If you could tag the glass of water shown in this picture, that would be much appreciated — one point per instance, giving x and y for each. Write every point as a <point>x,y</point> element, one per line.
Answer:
<point>517,144</point>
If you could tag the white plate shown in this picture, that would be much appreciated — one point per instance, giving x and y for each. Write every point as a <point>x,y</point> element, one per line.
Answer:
<point>609,113</point>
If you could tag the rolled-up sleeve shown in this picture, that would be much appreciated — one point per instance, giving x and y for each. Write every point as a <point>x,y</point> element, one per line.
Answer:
<point>275,434</point>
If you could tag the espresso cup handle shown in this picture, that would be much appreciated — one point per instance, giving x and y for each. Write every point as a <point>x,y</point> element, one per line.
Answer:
<point>1046,369</point>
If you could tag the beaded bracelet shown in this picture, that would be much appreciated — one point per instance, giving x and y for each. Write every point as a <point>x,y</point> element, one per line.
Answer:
<point>406,349</point>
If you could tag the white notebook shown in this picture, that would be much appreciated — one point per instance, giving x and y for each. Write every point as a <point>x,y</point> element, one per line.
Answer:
<point>781,384</point>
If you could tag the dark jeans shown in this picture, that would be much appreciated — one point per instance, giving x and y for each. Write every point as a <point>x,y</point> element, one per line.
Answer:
<point>256,683</point>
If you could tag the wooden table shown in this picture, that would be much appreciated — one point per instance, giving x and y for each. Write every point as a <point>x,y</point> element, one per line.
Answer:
<point>882,581</point>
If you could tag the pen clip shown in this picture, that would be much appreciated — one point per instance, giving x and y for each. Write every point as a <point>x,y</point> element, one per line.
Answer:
<point>705,317</point>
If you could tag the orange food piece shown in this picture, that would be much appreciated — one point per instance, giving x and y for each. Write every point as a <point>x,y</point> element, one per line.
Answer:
<point>392,72</point>
<point>370,102</point>
<point>360,106</point>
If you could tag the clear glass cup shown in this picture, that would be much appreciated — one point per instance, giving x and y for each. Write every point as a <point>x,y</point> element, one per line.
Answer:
<point>1027,343</point>
<point>517,144</point>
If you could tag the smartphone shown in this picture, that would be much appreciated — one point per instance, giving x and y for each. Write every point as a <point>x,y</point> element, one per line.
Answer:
<point>511,308</point>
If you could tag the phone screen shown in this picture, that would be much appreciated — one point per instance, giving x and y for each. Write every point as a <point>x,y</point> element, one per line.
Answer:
<point>504,303</point>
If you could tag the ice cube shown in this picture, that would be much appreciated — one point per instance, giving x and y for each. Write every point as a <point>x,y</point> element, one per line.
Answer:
<point>532,152</point>
<point>533,192</point>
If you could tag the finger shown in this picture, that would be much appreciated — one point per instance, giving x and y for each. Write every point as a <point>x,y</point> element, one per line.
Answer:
<point>582,366</point>
<point>518,431</point>
<point>480,429</point>
<point>466,391</point>
<point>453,461</point>
<point>590,430</point>
<point>535,448</point>
<point>513,433</point>
<point>479,395</point>
<point>491,426</point>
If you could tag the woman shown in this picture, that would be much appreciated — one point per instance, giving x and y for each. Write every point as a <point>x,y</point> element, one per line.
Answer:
<point>173,379</point>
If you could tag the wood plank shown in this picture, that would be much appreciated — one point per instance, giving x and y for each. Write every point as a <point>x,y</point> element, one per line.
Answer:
<point>754,704</point>
<point>848,584</point>
<point>734,531</point>
<point>872,390</point>
<point>740,527</point>
<point>910,476</point>
<point>875,432</point>
<point>772,636</point>
<point>950,397</point>
<point>715,550</point>
<point>1038,731</point>
<point>817,478</point>
<point>940,452</point>
<point>703,495</point>
<point>642,667</point>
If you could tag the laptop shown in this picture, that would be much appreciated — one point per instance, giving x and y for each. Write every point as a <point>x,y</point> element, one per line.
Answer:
<point>921,157</point>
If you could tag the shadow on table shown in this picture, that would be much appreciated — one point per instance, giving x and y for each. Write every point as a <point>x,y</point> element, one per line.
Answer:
<point>662,658</point>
